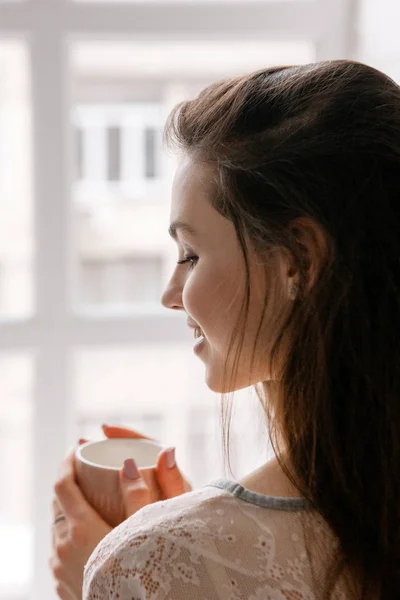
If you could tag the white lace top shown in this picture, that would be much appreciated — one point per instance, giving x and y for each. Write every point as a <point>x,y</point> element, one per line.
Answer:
<point>221,542</point>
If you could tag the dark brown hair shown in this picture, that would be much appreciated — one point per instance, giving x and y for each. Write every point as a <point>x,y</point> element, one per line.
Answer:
<point>322,142</point>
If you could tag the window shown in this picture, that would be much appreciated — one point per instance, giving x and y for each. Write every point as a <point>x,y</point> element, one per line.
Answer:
<point>83,224</point>
<point>202,441</point>
<point>118,147</point>
<point>114,153</point>
<point>16,244</point>
<point>16,304</point>
<point>121,282</point>
<point>16,485</point>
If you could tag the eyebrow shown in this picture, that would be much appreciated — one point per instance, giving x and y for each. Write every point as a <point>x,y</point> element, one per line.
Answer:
<point>182,226</point>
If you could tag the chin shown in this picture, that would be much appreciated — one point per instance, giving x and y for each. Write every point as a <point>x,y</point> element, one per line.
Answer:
<point>214,380</point>
<point>213,383</point>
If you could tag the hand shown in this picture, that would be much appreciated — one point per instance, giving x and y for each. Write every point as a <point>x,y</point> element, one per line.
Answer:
<point>171,481</point>
<point>75,538</point>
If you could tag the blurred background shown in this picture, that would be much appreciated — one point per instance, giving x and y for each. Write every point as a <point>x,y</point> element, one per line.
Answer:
<point>85,88</point>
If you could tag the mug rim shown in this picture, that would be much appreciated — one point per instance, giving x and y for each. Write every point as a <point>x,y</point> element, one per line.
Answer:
<point>78,453</point>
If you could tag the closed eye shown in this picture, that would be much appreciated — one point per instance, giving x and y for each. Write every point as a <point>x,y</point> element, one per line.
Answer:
<point>189,259</point>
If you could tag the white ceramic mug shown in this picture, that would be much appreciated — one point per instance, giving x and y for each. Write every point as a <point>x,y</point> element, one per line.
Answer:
<point>97,466</point>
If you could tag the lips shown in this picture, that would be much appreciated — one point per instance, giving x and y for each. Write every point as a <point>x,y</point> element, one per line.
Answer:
<point>198,333</point>
<point>200,341</point>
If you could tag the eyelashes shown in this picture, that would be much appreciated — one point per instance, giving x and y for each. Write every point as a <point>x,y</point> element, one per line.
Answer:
<point>191,260</point>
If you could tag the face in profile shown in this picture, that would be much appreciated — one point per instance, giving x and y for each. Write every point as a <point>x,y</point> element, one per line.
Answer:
<point>209,283</point>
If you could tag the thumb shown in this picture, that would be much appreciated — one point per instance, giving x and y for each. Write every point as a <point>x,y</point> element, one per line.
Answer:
<point>134,491</point>
<point>170,479</point>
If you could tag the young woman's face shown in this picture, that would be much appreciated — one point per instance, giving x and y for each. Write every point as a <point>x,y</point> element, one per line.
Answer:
<point>210,287</point>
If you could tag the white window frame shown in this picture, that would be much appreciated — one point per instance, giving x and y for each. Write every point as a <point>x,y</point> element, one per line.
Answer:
<point>56,329</point>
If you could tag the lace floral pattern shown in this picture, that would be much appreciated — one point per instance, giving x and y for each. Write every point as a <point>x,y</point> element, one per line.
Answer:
<point>208,545</point>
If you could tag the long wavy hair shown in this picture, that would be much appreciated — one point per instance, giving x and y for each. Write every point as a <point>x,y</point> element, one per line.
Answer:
<point>322,142</point>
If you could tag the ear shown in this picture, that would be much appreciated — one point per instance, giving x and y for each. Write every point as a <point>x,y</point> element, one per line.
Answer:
<point>313,244</point>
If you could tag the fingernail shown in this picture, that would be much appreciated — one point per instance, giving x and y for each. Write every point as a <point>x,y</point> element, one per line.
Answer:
<point>170,457</point>
<point>104,425</point>
<point>130,469</point>
<point>82,441</point>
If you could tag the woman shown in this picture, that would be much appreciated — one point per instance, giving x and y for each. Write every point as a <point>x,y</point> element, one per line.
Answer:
<point>286,213</point>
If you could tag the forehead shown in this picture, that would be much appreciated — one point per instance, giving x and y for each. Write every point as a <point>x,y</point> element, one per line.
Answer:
<point>191,189</point>
<point>192,195</point>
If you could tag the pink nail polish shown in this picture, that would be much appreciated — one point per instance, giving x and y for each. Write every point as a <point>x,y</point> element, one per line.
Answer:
<point>130,469</point>
<point>170,458</point>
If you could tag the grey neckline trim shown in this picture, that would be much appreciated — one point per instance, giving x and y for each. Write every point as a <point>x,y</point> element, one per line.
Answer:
<point>274,502</point>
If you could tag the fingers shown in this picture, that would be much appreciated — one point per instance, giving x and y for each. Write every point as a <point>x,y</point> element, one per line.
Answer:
<point>66,483</point>
<point>56,508</point>
<point>62,589</point>
<point>135,493</point>
<point>115,431</point>
<point>170,479</point>
<point>59,531</point>
<point>68,494</point>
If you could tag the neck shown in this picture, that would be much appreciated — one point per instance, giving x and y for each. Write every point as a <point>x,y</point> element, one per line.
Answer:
<point>270,480</point>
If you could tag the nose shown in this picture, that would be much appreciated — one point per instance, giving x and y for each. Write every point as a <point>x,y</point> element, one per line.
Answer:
<point>172,296</point>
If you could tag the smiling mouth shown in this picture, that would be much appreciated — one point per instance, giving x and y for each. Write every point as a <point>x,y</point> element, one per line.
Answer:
<point>200,341</point>
<point>198,333</point>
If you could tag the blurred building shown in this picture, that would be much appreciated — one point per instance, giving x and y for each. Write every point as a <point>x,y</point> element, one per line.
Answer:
<point>123,258</point>
<point>121,93</point>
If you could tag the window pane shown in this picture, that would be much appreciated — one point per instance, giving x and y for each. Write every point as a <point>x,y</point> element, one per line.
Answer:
<point>114,153</point>
<point>109,282</point>
<point>123,93</point>
<point>160,391</point>
<point>16,547</point>
<point>15,183</point>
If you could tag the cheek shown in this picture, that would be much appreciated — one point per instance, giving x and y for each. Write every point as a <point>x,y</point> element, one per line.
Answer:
<point>211,296</point>
<point>196,294</point>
